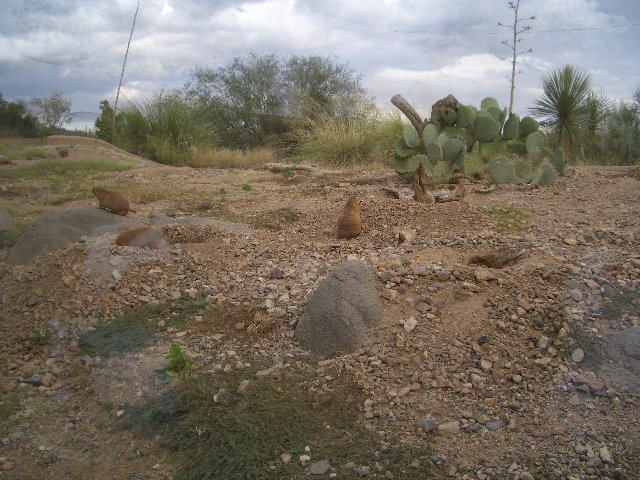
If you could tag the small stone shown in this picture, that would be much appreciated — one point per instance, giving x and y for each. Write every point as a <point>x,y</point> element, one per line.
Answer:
<point>276,273</point>
<point>410,324</point>
<point>244,384</point>
<point>406,235</point>
<point>485,365</point>
<point>449,428</point>
<point>516,378</point>
<point>304,458</point>
<point>605,455</point>
<point>427,425</point>
<point>577,355</point>
<point>494,425</point>
<point>285,457</point>
<point>8,465</point>
<point>319,468</point>
<point>543,342</point>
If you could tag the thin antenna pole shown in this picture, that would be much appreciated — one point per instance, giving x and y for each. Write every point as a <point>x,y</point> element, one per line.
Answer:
<point>124,63</point>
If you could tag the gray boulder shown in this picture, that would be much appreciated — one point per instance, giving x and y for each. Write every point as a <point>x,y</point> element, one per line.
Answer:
<point>339,311</point>
<point>57,230</point>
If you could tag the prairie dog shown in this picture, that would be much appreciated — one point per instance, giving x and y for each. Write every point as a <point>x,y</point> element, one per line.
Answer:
<point>140,237</point>
<point>350,223</point>
<point>112,201</point>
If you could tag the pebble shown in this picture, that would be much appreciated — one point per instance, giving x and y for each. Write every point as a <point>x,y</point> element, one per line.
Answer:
<point>319,468</point>
<point>410,324</point>
<point>577,355</point>
<point>449,428</point>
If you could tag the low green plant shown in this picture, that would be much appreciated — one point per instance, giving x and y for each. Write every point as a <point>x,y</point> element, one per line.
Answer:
<point>246,187</point>
<point>179,361</point>
<point>214,431</point>
<point>23,153</point>
<point>136,328</point>
<point>510,218</point>
<point>40,336</point>
<point>8,405</point>
<point>287,173</point>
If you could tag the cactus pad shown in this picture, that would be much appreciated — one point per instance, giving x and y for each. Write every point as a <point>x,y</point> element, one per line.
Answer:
<point>486,129</point>
<point>410,136</point>
<point>527,126</point>
<point>501,170</point>
<point>511,126</point>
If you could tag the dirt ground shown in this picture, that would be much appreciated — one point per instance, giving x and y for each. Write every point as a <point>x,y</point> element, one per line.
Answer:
<point>525,370</point>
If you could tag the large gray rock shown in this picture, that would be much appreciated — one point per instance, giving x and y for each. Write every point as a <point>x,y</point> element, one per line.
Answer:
<point>340,310</point>
<point>57,230</point>
<point>623,366</point>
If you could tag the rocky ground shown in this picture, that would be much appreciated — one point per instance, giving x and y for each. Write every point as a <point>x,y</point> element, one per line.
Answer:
<point>522,369</point>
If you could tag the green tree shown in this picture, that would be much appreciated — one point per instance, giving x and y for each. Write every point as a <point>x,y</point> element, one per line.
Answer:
<point>244,96</point>
<point>331,87</point>
<point>15,120</point>
<point>255,97</point>
<point>104,124</point>
<point>564,106</point>
<point>52,111</point>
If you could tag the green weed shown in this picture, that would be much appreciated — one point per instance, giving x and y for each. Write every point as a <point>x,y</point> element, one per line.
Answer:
<point>287,173</point>
<point>275,219</point>
<point>136,328</point>
<point>40,336</point>
<point>179,362</point>
<point>8,405</point>
<point>246,187</point>
<point>243,434</point>
<point>510,218</point>
<point>23,153</point>
<point>64,168</point>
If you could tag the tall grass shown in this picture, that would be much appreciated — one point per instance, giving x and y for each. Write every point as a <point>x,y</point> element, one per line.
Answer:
<point>45,169</point>
<point>227,158</point>
<point>344,142</point>
<point>23,153</point>
<point>165,128</point>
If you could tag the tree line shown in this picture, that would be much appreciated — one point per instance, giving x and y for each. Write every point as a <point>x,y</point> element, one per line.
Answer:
<point>262,100</point>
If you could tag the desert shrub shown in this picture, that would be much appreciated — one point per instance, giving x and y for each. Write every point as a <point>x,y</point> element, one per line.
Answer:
<point>254,158</point>
<point>165,128</point>
<point>347,141</point>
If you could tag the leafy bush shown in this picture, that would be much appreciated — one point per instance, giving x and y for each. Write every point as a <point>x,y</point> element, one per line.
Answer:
<point>165,128</point>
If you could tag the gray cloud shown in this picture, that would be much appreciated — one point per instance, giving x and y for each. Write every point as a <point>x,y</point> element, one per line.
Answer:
<point>424,50</point>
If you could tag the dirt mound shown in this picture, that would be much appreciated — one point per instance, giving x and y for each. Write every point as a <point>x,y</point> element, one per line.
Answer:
<point>57,230</point>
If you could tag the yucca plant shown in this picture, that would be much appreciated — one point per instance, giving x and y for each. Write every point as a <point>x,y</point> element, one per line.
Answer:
<point>564,106</point>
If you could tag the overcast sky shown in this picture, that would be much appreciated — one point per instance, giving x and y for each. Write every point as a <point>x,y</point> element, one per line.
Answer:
<point>423,49</point>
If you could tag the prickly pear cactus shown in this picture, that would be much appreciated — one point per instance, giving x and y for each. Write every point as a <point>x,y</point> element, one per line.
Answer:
<point>471,141</point>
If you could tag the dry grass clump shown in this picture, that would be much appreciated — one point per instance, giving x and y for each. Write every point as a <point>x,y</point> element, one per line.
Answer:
<point>227,158</point>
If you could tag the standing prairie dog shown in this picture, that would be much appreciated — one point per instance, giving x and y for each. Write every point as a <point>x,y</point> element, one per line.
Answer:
<point>112,201</point>
<point>350,223</point>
